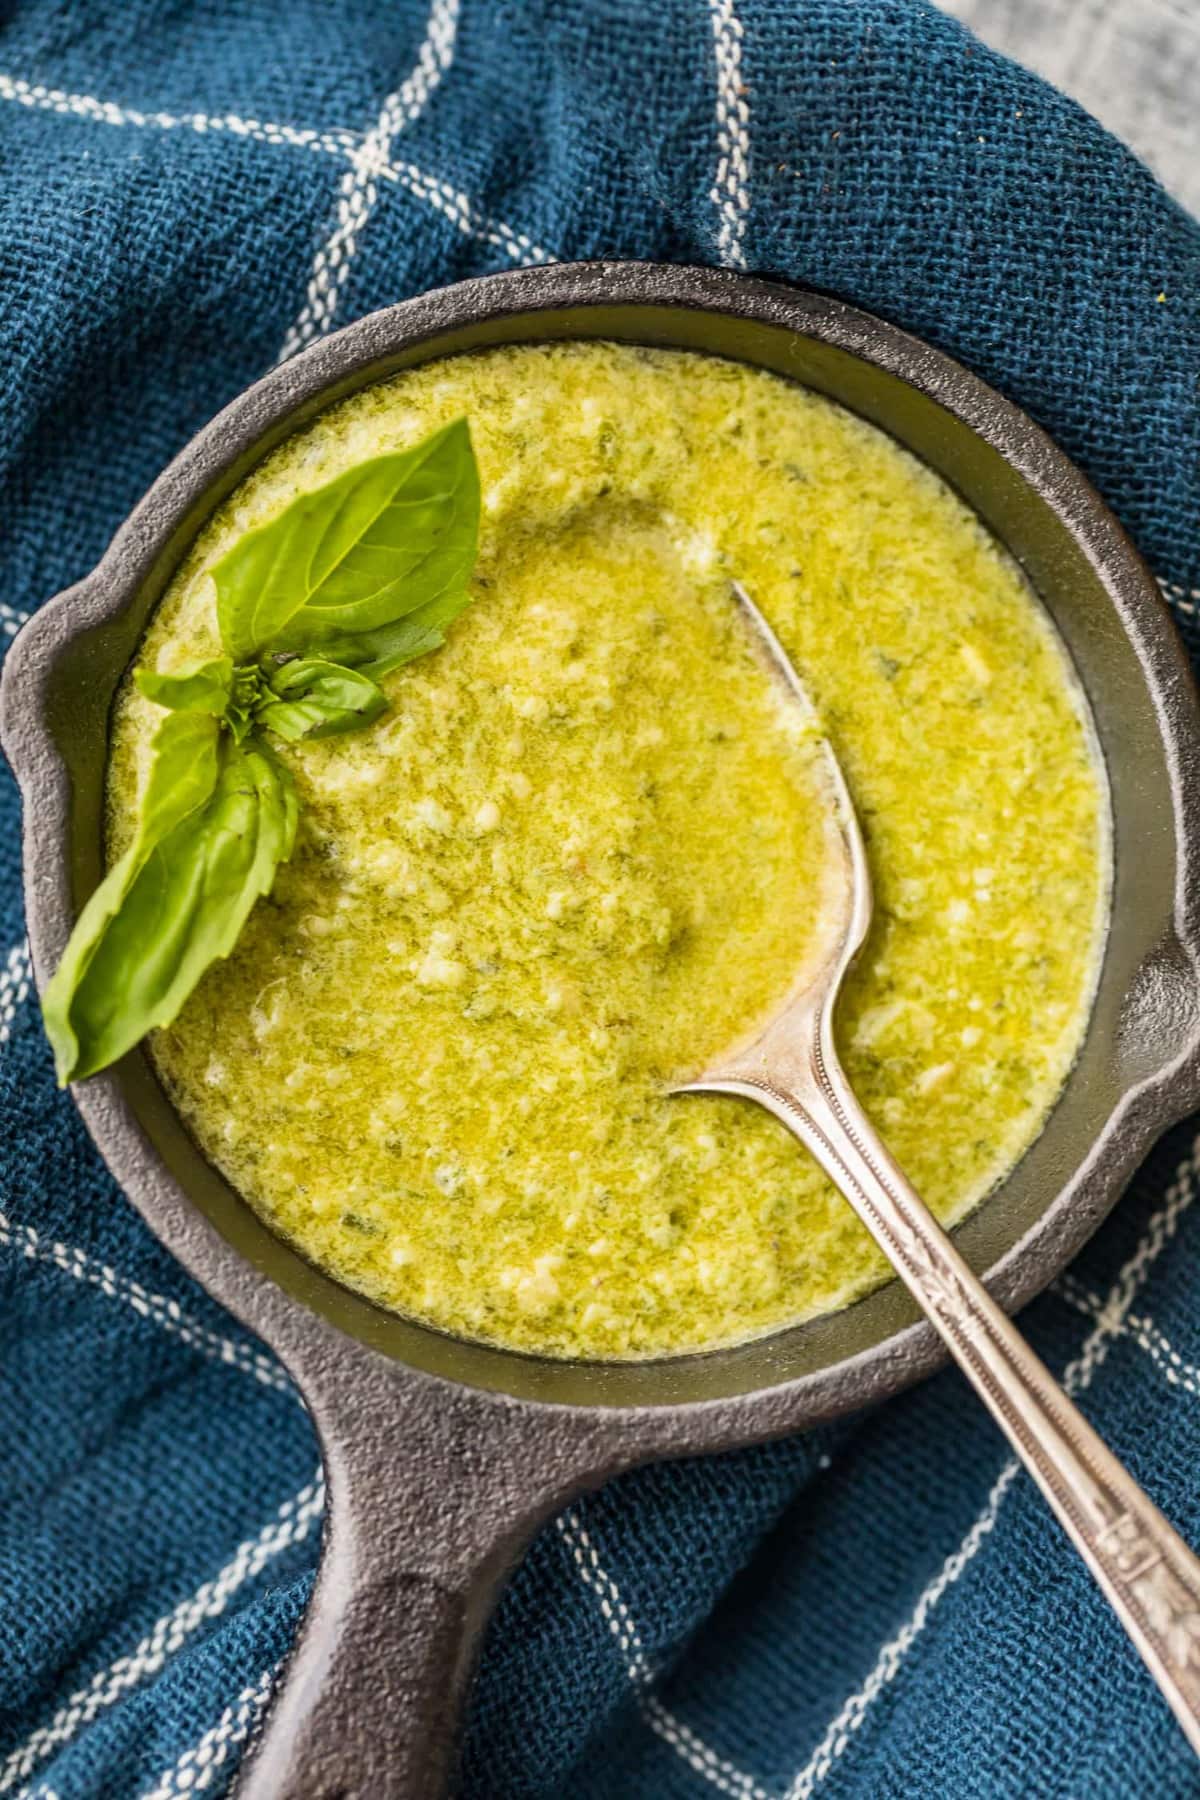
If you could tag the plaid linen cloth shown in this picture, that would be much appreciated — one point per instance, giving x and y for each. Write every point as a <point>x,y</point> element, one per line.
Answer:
<point>189,193</point>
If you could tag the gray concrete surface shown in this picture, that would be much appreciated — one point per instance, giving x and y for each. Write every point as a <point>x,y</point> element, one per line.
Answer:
<point>1135,64</point>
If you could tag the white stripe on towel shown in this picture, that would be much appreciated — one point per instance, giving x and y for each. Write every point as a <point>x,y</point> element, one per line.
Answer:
<point>290,1525</point>
<point>613,1608</point>
<point>1184,598</point>
<point>464,214</point>
<point>1139,1330</point>
<point>1078,1376</point>
<point>359,190</point>
<point>15,981</point>
<point>730,192</point>
<point>11,620</point>
<point>346,145</point>
<point>167,1314</point>
<point>108,112</point>
<point>685,1742</point>
<point>198,1767</point>
<point>725,1776</point>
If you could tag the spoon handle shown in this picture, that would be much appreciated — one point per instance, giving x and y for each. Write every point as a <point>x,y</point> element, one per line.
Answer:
<point>1151,1578</point>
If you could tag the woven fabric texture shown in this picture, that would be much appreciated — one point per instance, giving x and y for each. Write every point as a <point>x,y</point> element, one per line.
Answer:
<point>1134,66</point>
<point>189,191</point>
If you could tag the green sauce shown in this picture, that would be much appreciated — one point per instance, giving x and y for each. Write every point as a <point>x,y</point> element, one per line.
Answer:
<point>583,851</point>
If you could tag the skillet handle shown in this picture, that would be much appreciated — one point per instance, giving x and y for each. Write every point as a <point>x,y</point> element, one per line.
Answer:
<point>434,1491</point>
<point>372,1700</point>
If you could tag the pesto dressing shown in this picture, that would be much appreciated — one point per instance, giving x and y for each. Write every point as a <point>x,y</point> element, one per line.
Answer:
<point>584,850</point>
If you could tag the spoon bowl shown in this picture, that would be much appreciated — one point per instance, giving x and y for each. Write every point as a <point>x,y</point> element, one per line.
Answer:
<point>842,932</point>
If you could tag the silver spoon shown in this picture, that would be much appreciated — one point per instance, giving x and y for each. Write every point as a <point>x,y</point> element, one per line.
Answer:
<point>1151,1578</point>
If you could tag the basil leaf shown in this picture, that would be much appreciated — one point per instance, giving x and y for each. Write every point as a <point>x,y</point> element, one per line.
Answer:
<point>184,769</point>
<point>377,653</point>
<point>206,688</point>
<point>370,547</point>
<point>184,766</point>
<point>318,699</point>
<point>170,907</point>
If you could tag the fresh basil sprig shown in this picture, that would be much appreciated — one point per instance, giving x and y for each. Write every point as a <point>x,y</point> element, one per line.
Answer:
<point>315,608</point>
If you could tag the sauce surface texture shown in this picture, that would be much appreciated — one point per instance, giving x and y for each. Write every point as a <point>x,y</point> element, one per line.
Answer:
<point>579,854</point>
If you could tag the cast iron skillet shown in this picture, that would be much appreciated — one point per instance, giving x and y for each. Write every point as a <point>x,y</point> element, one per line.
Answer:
<point>444,1456</point>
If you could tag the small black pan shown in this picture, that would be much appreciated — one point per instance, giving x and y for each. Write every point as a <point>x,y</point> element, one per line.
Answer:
<point>443,1456</point>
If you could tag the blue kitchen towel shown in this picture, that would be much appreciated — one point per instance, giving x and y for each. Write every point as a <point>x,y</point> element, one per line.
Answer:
<point>190,192</point>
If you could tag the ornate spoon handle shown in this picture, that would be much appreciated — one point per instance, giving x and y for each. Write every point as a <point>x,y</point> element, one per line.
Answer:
<point>1148,1573</point>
